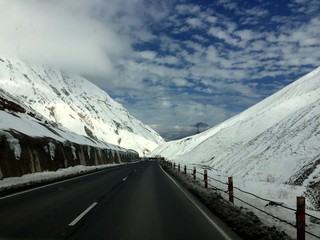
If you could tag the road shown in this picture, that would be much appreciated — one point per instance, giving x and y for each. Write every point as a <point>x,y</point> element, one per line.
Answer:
<point>135,201</point>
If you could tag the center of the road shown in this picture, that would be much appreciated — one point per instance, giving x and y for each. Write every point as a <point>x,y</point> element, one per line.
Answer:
<point>77,219</point>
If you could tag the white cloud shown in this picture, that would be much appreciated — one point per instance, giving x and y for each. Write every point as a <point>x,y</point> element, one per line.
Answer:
<point>223,35</point>
<point>246,34</point>
<point>211,19</point>
<point>306,7</point>
<point>257,12</point>
<point>199,38</point>
<point>148,55</point>
<point>180,82</point>
<point>165,62</point>
<point>179,112</point>
<point>194,22</point>
<point>184,9</point>
<point>212,54</point>
<point>228,4</point>
<point>54,34</point>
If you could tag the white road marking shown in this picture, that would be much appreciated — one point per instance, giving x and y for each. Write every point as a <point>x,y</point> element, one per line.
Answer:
<point>196,205</point>
<point>60,181</point>
<point>51,184</point>
<point>124,179</point>
<point>77,219</point>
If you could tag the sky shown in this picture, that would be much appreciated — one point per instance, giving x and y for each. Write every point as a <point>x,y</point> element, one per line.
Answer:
<point>170,63</point>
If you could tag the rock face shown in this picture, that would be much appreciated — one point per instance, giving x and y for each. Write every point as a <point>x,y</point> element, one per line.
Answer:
<point>46,154</point>
<point>76,104</point>
<point>31,143</point>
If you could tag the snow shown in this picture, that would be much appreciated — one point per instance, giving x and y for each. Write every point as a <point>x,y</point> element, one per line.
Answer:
<point>271,141</point>
<point>313,177</point>
<point>271,193</point>
<point>14,145</point>
<point>35,129</point>
<point>268,149</point>
<point>280,193</point>
<point>50,175</point>
<point>52,149</point>
<point>76,104</point>
<point>26,126</point>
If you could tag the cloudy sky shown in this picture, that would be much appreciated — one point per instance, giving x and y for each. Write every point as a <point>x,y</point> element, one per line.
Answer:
<point>171,63</point>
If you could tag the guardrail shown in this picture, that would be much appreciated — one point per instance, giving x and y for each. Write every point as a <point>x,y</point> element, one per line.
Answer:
<point>300,212</point>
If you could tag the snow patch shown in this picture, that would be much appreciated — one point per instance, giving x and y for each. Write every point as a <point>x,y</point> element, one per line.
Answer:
<point>89,151</point>
<point>14,145</point>
<point>74,152</point>
<point>52,149</point>
<point>313,177</point>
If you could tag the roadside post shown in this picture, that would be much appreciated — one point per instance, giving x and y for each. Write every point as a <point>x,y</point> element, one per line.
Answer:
<point>230,189</point>
<point>205,178</point>
<point>301,218</point>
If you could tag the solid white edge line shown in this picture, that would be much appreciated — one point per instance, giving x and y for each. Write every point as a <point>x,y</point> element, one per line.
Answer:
<point>77,219</point>
<point>196,205</point>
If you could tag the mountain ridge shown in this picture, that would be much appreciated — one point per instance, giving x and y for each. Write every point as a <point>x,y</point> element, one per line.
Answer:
<point>247,145</point>
<point>77,104</point>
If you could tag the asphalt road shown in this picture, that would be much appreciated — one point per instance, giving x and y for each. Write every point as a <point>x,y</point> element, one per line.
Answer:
<point>136,201</point>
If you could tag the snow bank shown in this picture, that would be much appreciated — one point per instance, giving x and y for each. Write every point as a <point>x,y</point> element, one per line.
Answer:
<point>41,177</point>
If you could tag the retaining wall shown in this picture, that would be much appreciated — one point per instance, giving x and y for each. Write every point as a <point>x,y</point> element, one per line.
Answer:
<point>23,154</point>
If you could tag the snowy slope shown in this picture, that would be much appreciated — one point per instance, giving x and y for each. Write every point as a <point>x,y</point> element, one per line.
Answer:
<point>18,118</point>
<point>31,143</point>
<point>76,104</point>
<point>277,140</point>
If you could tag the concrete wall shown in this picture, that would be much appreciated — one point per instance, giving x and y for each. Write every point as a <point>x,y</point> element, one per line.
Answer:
<point>23,154</point>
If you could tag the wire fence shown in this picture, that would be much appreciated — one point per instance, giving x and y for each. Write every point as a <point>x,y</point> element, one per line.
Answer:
<point>226,191</point>
<point>218,180</point>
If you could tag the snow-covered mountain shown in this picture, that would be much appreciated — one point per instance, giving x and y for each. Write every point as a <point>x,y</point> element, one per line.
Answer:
<point>31,143</point>
<point>76,104</point>
<point>17,119</point>
<point>276,140</point>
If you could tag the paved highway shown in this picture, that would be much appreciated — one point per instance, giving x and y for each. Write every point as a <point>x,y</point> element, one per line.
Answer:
<point>136,201</point>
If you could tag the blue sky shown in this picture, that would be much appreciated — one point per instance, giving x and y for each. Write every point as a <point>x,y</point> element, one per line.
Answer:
<point>170,63</point>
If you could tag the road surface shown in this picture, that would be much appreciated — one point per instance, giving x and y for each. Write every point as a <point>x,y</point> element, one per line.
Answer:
<point>135,201</point>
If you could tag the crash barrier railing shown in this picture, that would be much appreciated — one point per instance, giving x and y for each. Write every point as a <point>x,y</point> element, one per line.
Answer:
<point>300,212</point>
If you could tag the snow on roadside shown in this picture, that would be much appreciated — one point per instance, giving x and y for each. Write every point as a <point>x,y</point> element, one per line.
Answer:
<point>284,194</point>
<point>49,175</point>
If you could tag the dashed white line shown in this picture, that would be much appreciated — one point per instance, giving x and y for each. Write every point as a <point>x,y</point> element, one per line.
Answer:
<point>77,219</point>
<point>59,182</point>
<point>124,179</point>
